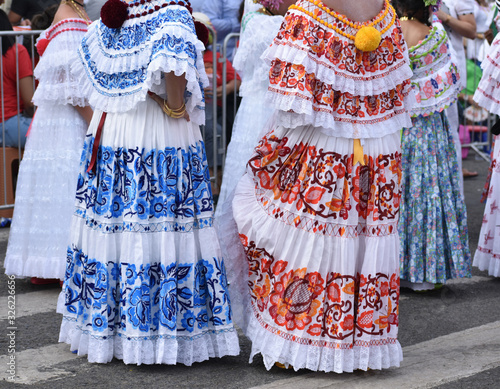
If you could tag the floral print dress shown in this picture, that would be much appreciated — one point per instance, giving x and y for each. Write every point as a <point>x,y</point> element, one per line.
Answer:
<point>315,273</point>
<point>433,221</point>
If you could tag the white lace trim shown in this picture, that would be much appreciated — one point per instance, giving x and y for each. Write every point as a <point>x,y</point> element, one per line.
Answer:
<point>366,83</point>
<point>485,261</point>
<point>109,62</point>
<point>58,82</point>
<point>167,349</point>
<point>379,355</point>
<point>300,113</point>
<point>487,94</point>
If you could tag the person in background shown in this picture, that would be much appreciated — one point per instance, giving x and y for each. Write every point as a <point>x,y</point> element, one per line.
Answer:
<point>93,8</point>
<point>433,219</point>
<point>197,5</point>
<point>258,29</point>
<point>458,20</point>
<point>478,47</point>
<point>21,11</point>
<point>223,15</point>
<point>487,255</point>
<point>48,172</point>
<point>16,121</point>
<point>233,82</point>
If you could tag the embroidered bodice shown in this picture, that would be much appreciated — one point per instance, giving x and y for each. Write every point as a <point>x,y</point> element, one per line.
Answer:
<point>58,82</point>
<point>123,64</point>
<point>257,33</point>
<point>435,77</point>
<point>318,77</point>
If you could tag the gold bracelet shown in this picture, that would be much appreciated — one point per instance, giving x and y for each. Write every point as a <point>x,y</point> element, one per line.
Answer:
<point>448,18</point>
<point>174,113</point>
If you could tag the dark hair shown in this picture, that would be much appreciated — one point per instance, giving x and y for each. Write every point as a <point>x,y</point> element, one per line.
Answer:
<point>7,41</point>
<point>241,11</point>
<point>413,9</point>
<point>43,20</point>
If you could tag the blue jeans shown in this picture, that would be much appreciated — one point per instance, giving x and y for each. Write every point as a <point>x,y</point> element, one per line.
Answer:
<point>11,131</point>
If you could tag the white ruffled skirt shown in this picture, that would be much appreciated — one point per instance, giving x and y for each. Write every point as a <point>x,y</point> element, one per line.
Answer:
<point>145,280</point>
<point>45,193</point>
<point>316,275</point>
<point>487,94</point>
<point>487,256</point>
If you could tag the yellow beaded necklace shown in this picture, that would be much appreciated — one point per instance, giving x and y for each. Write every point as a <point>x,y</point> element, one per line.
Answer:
<point>367,37</point>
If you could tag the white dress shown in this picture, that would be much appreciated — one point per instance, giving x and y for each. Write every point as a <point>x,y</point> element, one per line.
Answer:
<point>487,256</point>
<point>258,32</point>
<point>145,280</point>
<point>47,176</point>
<point>312,241</point>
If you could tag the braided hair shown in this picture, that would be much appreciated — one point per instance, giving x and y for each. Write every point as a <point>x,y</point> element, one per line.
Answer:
<point>414,9</point>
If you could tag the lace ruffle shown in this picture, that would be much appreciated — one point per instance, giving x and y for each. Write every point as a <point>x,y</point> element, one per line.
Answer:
<point>488,92</point>
<point>436,79</point>
<point>329,83</point>
<point>211,344</point>
<point>58,82</point>
<point>258,34</point>
<point>125,64</point>
<point>392,117</point>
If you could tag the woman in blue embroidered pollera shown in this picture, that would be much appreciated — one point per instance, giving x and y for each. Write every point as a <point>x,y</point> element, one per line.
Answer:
<point>433,219</point>
<point>145,281</point>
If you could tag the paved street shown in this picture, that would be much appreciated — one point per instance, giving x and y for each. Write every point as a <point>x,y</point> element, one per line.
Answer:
<point>450,340</point>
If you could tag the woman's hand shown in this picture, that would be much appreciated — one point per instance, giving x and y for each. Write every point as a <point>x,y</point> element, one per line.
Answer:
<point>161,103</point>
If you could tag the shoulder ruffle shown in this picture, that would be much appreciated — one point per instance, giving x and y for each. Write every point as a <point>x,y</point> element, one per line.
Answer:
<point>258,34</point>
<point>435,77</point>
<point>124,64</point>
<point>58,82</point>
<point>487,94</point>
<point>327,82</point>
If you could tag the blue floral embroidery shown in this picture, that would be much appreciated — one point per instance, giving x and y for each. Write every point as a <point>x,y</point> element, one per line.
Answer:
<point>156,185</point>
<point>179,297</point>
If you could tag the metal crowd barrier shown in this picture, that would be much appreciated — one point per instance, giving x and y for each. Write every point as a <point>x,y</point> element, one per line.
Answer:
<point>7,188</point>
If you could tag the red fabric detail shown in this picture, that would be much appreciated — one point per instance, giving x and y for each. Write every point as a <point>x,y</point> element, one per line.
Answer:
<point>114,13</point>
<point>41,45</point>
<point>208,59</point>
<point>10,77</point>
<point>97,140</point>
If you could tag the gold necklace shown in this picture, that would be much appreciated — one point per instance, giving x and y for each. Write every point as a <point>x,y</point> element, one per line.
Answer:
<point>75,7</point>
<point>405,18</point>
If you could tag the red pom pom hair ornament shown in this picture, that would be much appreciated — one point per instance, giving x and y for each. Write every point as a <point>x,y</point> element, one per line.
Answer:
<point>114,13</point>
<point>202,32</point>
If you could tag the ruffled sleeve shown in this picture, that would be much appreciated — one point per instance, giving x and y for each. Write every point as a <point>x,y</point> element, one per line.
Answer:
<point>124,64</point>
<point>59,83</point>
<point>318,77</point>
<point>436,78</point>
<point>258,32</point>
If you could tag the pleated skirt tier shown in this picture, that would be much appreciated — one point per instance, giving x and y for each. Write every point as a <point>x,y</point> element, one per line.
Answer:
<point>45,193</point>
<point>433,221</point>
<point>145,280</point>
<point>487,256</point>
<point>316,275</point>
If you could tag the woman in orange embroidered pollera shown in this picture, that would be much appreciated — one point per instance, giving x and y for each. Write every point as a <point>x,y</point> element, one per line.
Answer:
<point>317,274</point>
